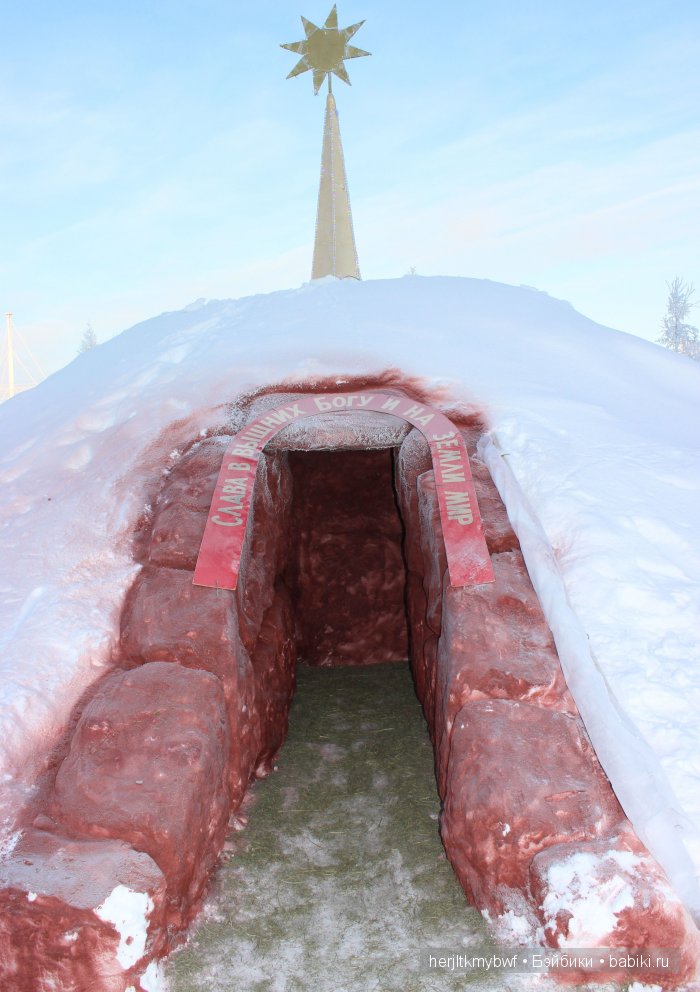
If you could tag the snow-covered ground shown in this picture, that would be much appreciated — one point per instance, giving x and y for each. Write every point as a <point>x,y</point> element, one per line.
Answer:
<point>594,444</point>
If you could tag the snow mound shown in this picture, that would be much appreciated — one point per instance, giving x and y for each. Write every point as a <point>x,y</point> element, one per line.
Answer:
<point>597,431</point>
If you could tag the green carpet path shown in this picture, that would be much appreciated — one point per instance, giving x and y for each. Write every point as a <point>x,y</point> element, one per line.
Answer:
<point>339,881</point>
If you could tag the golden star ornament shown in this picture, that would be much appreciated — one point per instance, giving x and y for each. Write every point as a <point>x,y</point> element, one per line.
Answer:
<point>324,50</point>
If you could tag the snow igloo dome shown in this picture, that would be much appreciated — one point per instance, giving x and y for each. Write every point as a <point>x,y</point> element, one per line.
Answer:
<point>309,442</point>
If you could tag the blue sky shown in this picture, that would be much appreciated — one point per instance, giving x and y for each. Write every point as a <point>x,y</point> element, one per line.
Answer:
<point>152,153</point>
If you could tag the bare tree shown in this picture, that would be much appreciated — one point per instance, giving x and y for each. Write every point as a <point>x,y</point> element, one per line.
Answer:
<point>677,334</point>
<point>88,340</point>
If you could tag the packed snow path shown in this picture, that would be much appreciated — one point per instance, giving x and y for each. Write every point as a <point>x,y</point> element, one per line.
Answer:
<point>339,881</point>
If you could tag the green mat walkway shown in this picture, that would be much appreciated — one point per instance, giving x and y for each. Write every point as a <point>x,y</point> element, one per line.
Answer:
<point>339,881</point>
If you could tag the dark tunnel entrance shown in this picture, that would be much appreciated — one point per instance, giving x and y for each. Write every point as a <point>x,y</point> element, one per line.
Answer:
<point>341,842</point>
<point>347,574</point>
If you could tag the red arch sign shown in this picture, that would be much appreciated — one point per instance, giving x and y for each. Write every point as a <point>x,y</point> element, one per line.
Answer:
<point>222,545</point>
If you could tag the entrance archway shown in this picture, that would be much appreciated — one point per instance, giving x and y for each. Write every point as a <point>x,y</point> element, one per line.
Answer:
<point>467,555</point>
<point>163,749</point>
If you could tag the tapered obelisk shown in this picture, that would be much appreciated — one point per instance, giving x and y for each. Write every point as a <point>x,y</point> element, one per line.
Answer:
<point>323,52</point>
<point>334,247</point>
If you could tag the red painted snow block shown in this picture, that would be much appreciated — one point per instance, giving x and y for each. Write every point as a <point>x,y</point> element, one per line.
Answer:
<point>430,650</point>
<point>412,461</point>
<point>432,548</point>
<point>78,916</point>
<point>147,765</point>
<point>274,667</point>
<point>520,779</point>
<point>347,429</point>
<point>245,729</point>
<point>167,618</point>
<point>176,536</point>
<point>498,531</point>
<point>189,481</point>
<point>612,894</point>
<point>181,509</point>
<point>432,564</point>
<point>499,534</point>
<point>495,644</point>
<point>266,548</point>
<point>423,647</point>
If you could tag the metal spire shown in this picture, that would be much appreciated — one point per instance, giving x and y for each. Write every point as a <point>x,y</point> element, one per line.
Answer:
<point>323,52</point>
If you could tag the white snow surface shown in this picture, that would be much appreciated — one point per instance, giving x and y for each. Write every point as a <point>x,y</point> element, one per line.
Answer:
<point>153,979</point>
<point>594,908</point>
<point>593,443</point>
<point>128,911</point>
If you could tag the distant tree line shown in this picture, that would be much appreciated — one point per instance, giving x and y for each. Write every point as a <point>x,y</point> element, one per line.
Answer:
<point>677,333</point>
